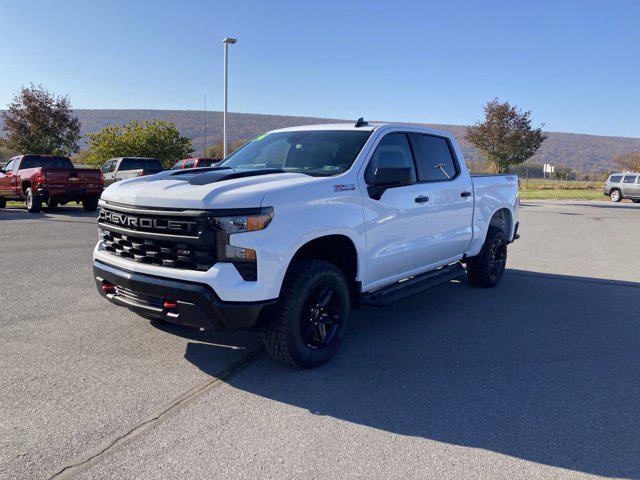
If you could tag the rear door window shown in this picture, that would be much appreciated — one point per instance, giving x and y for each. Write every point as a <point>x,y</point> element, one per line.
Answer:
<point>629,179</point>
<point>434,158</point>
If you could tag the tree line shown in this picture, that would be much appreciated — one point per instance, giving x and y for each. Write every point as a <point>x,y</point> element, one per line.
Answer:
<point>37,121</point>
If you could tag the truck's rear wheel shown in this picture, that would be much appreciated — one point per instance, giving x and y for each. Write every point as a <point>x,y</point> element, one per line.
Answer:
<point>90,204</point>
<point>310,319</point>
<point>486,269</point>
<point>3,202</point>
<point>33,202</point>
<point>52,204</point>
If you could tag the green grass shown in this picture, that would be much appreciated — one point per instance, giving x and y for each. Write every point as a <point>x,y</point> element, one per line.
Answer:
<point>537,189</point>
<point>562,195</point>
<point>538,184</point>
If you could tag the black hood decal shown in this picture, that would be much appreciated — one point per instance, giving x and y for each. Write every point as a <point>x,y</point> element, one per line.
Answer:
<point>218,174</point>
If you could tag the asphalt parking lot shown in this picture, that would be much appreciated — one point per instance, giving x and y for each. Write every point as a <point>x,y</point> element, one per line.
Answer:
<point>538,378</point>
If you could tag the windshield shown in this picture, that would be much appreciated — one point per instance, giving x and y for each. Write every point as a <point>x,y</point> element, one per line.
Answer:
<point>35,161</point>
<point>313,152</point>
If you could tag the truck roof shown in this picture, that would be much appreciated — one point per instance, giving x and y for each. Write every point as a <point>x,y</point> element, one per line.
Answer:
<point>366,127</point>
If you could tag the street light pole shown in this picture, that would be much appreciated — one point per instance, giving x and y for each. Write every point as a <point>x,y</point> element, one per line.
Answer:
<point>227,41</point>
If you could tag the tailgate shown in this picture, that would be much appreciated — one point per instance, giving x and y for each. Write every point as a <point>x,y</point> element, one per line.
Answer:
<point>71,178</point>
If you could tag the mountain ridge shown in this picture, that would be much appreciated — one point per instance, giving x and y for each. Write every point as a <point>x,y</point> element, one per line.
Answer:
<point>583,152</point>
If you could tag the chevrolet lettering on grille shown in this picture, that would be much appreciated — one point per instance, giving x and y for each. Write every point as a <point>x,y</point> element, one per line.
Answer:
<point>129,221</point>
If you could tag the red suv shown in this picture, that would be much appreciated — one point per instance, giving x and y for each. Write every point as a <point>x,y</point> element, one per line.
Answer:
<point>195,162</point>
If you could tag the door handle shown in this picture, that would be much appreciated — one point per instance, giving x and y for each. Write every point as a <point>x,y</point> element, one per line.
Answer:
<point>465,194</point>
<point>421,199</point>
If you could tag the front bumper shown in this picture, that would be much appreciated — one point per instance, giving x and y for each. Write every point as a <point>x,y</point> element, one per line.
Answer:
<point>191,303</point>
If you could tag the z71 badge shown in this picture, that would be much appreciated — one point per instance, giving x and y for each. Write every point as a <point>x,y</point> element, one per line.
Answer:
<point>344,187</point>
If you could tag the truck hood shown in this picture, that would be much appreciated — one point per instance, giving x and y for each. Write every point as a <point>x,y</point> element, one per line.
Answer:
<point>203,188</point>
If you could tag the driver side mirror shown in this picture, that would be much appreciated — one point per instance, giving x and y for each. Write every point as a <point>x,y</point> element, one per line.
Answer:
<point>389,177</point>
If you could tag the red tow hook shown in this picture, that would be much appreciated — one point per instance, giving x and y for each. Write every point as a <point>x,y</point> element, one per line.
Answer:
<point>108,287</point>
<point>170,305</point>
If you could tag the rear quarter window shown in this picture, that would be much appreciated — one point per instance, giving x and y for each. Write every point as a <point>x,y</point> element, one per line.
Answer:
<point>615,178</point>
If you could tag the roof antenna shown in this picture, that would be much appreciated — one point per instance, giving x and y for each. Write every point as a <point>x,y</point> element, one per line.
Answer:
<point>360,123</point>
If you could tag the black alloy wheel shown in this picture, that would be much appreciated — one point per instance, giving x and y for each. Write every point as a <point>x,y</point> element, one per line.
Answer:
<point>320,317</point>
<point>497,257</point>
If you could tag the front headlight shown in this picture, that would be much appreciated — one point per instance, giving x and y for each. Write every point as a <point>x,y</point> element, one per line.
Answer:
<point>244,223</point>
<point>245,259</point>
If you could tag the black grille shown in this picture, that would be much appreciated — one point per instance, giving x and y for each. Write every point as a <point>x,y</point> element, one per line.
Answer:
<point>141,242</point>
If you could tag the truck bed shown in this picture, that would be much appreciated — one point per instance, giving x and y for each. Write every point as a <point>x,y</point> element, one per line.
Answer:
<point>491,192</point>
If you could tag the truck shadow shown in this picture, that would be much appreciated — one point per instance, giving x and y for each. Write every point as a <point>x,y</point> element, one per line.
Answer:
<point>544,368</point>
<point>61,214</point>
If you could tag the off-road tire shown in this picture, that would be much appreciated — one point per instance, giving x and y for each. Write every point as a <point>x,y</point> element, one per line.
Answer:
<point>52,204</point>
<point>90,204</point>
<point>481,270</point>
<point>636,201</point>
<point>283,337</point>
<point>32,201</point>
<point>615,195</point>
<point>3,202</point>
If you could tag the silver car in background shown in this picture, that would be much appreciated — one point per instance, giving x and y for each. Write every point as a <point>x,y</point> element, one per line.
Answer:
<point>623,185</point>
<point>122,168</point>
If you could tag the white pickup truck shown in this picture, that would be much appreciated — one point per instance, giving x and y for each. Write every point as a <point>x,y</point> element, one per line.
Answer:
<point>301,224</point>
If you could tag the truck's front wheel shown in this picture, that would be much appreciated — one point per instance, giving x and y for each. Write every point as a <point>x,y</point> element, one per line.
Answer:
<point>310,319</point>
<point>486,269</point>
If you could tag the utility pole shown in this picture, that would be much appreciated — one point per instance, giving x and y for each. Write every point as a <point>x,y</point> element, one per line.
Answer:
<point>227,41</point>
<point>204,150</point>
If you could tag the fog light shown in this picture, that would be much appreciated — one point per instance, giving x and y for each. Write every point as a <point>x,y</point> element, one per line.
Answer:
<point>239,253</point>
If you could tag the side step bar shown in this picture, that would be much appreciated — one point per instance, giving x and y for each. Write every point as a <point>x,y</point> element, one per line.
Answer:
<point>414,285</point>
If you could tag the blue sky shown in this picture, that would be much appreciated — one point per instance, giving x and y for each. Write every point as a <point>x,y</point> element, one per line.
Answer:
<point>575,64</point>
